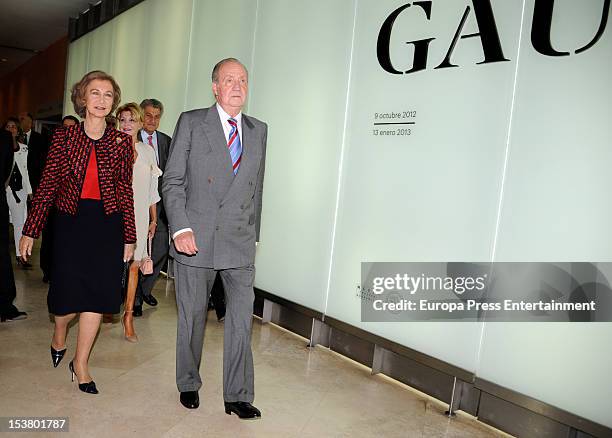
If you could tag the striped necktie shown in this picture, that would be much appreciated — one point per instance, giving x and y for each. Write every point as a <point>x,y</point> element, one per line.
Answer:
<point>234,145</point>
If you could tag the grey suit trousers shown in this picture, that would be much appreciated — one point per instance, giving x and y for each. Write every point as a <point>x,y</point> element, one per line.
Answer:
<point>193,286</point>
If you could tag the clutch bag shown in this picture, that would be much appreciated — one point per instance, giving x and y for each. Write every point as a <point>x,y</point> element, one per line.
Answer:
<point>146,264</point>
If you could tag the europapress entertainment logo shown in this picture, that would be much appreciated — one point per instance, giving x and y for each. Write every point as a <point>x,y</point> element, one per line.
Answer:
<point>486,291</point>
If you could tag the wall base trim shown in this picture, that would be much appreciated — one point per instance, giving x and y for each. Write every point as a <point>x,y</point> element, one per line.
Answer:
<point>500,407</point>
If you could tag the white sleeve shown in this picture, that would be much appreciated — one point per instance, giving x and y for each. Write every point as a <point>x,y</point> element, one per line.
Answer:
<point>184,230</point>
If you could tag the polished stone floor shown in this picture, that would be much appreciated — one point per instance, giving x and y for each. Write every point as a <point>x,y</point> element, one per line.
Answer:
<point>301,392</point>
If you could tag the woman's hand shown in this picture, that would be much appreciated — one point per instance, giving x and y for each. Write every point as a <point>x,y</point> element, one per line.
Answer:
<point>152,227</point>
<point>128,252</point>
<point>25,247</point>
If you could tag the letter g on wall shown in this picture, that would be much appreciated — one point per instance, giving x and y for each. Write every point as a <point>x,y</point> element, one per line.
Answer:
<point>421,47</point>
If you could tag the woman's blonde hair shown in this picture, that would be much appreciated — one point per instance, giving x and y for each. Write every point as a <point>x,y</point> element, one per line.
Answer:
<point>133,108</point>
<point>78,91</point>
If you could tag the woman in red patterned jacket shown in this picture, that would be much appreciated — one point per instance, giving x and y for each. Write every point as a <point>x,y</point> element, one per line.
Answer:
<point>88,179</point>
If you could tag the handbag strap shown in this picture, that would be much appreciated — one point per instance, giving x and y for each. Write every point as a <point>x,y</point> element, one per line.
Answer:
<point>149,241</point>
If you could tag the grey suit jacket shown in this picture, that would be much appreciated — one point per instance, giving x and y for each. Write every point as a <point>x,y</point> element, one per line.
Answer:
<point>163,146</point>
<point>201,192</point>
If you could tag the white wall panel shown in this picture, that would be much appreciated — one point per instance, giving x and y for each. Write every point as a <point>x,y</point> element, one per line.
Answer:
<point>221,30</point>
<point>77,66</point>
<point>556,208</point>
<point>166,38</point>
<point>299,86</point>
<point>432,195</point>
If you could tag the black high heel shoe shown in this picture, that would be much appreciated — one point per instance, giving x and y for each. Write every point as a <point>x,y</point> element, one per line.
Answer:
<point>89,387</point>
<point>57,356</point>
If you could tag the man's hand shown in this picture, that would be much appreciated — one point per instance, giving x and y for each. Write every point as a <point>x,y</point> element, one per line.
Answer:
<point>185,243</point>
<point>128,252</point>
<point>25,247</point>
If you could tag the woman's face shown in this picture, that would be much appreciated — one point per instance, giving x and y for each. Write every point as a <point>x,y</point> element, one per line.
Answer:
<point>99,96</point>
<point>12,128</point>
<point>129,124</point>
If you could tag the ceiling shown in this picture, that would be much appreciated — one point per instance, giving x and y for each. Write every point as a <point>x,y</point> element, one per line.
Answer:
<point>28,26</point>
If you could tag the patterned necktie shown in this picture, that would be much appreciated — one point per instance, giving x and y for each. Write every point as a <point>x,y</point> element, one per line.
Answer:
<point>234,145</point>
<point>150,140</point>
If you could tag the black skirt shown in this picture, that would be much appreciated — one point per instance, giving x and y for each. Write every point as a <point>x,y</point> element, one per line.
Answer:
<point>86,261</point>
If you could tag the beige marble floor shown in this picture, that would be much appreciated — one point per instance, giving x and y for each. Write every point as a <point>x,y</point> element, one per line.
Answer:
<point>301,392</point>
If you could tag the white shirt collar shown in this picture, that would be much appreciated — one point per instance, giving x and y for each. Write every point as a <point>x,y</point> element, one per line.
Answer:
<point>145,135</point>
<point>224,116</point>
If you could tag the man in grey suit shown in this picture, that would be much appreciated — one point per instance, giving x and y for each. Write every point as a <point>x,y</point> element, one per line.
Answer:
<point>153,110</point>
<point>212,190</point>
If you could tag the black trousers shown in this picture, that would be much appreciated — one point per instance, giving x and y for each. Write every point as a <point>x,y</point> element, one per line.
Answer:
<point>159,254</point>
<point>8,292</point>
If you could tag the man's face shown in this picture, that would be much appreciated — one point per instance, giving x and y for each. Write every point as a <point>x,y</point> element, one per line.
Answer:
<point>231,87</point>
<point>25,121</point>
<point>12,128</point>
<point>152,116</point>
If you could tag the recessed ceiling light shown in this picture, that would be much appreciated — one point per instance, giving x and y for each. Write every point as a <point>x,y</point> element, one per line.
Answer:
<point>4,59</point>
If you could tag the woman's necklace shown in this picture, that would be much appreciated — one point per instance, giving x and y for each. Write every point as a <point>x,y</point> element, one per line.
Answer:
<point>95,134</point>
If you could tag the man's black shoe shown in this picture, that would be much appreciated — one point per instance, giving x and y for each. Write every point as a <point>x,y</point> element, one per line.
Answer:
<point>190,399</point>
<point>220,314</point>
<point>13,316</point>
<point>137,311</point>
<point>244,410</point>
<point>150,300</point>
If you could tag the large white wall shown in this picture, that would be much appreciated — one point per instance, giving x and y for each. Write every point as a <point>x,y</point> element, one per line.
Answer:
<point>507,161</point>
<point>555,208</point>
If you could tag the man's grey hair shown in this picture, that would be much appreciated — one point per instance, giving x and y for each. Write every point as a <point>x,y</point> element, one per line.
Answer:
<point>218,65</point>
<point>154,103</point>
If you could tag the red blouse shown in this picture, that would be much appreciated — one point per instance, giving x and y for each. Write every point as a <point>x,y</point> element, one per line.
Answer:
<point>91,186</point>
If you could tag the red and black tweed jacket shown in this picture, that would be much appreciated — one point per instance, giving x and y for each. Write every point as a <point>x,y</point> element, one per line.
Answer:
<point>64,173</point>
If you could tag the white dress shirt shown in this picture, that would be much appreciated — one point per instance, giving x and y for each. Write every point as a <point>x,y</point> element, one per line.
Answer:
<point>227,128</point>
<point>145,139</point>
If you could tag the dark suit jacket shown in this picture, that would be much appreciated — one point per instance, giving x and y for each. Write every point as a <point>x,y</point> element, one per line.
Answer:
<point>7,282</point>
<point>163,147</point>
<point>6,166</point>
<point>38,147</point>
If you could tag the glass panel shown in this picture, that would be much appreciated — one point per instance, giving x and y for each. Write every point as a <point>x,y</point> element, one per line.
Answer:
<point>556,209</point>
